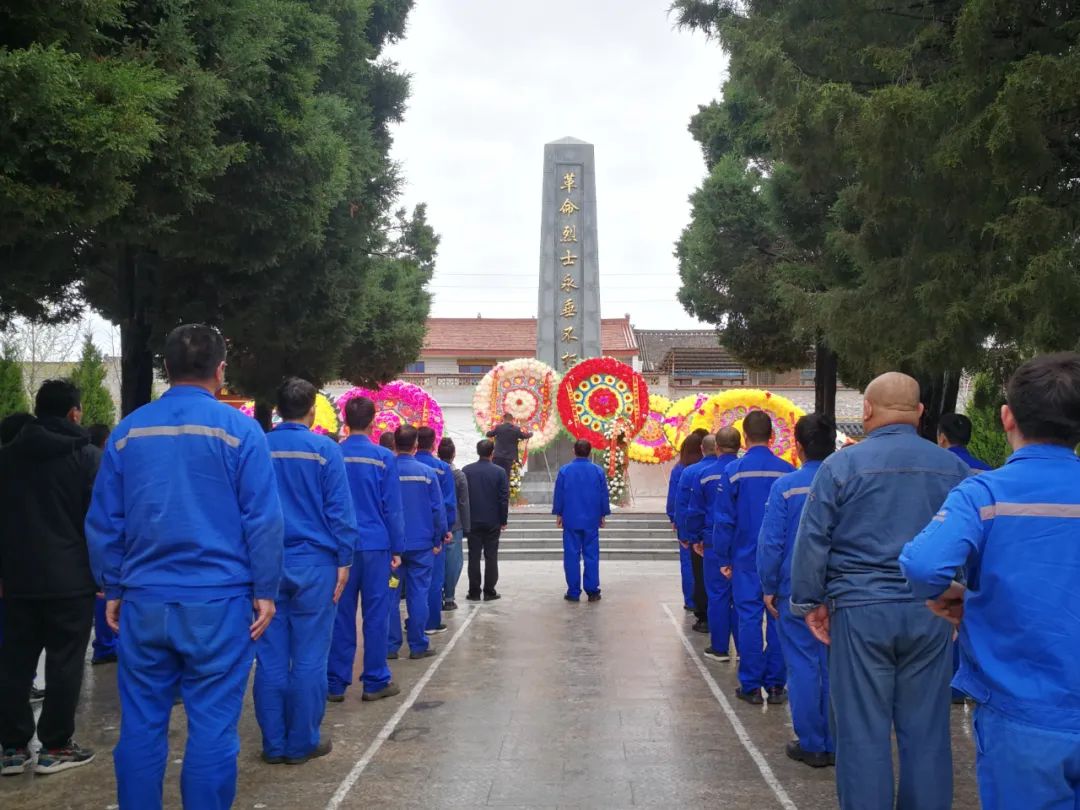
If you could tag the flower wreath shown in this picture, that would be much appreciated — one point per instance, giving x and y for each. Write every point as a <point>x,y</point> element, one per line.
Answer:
<point>651,445</point>
<point>729,408</point>
<point>526,389</point>
<point>326,421</point>
<point>678,417</point>
<point>615,458</point>
<point>599,391</point>
<point>398,403</point>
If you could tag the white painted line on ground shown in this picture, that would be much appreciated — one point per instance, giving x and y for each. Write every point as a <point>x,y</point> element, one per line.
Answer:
<point>391,724</point>
<point>740,730</point>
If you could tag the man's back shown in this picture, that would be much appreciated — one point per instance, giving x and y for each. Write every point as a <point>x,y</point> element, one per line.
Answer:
<point>740,504</point>
<point>506,436</point>
<point>376,492</point>
<point>422,505</point>
<point>489,494</point>
<point>581,495</point>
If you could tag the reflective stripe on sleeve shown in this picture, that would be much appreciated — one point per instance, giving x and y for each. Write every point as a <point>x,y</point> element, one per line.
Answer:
<point>298,454</point>
<point>757,474</point>
<point>710,478</point>
<point>791,493</point>
<point>419,479</point>
<point>178,430</point>
<point>1050,510</point>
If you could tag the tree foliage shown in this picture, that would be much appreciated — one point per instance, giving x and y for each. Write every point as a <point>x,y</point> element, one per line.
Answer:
<point>12,389</point>
<point>89,375</point>
<point>988,440</point>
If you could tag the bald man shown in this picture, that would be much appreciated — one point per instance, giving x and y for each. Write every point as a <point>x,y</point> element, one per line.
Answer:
<point>890,662</point>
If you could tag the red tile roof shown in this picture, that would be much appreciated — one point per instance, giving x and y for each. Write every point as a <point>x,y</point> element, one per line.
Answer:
<point>510,338</point>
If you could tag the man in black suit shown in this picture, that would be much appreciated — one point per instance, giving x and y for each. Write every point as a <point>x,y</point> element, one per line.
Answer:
<point>489,505</point>
<point>507,436</point>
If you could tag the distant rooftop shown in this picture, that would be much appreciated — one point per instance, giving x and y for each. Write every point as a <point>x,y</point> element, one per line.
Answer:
<point>510,338</point>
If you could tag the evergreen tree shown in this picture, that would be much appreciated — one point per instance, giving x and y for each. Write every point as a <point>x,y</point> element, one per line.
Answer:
<point>12,389</point>
<point>89,375</point>
<point>988,440</point>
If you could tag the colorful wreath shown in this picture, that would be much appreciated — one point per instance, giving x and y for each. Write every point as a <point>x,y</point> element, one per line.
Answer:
<point>526,389</point>
<point>651,445</point>
<point>728,408</point>
<point>398,403</point>
<point>326,421</point>
<point>678,417</point>
<point>599,391</point>
<point>615,459</point>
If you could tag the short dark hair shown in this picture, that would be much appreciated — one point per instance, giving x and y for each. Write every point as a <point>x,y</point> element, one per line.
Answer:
<point>99,434</point>
<point>425,438</point>
<point>11,424</point>
<point>485,448</point>
<point>295,398</point>
<point>359,413</point>
<point>955,427</point>
<point>447,449</point>
<point>728,438</point>
<point>757,426</point>
<point>582,448</point>
<point>508,417</point>
<point>57,398</point>
<point>690,452</point>
<point>816,432</point>
<point>193,352</point>
<point>405,438</point>
<point>1044,396</point>
<point>386,440</point>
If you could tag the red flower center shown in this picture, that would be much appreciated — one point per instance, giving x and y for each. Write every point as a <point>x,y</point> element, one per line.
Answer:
<point>603,402</point>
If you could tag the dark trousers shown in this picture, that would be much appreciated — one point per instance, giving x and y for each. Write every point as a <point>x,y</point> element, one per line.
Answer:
<point>61,627</point>
<point>483,540</point>
<point>506,463</point>
<point>701,596</point>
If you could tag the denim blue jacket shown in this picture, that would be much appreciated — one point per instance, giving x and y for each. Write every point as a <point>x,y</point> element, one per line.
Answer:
<point>702,496</point>
<point>777,538</point>
<point>866,501</point>
<point>740,505</point>
<point>1017,532</point>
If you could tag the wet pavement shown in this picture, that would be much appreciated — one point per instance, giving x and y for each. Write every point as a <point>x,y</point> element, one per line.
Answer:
<point>533,702</point>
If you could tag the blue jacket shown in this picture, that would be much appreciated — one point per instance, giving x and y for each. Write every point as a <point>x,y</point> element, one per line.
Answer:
<point>1016,531</point>
<point>376,494</point>
<point>185,505</point>
<point>320,525</point>
<point>446,483</point>
<point>976,465</point>
<point>740,505</point>
<point>581,495</point>
<point>673,490</point>
<point>421,504</point>
<point>777,538</point>
<point>866,501</point>
<point>702,497</point>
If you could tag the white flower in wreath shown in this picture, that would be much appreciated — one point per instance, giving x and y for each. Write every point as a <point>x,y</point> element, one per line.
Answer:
<point>521,403</point>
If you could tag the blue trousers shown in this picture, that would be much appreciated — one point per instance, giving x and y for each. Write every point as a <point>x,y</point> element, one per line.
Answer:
<point>205,649</point>
<point>761,662</point>
<point>686,570</point>
<point>807,662</point>
<point>889,668</point>
<point>415,574</point>
<point>104,637</point>
<point>454,560</point>
<point>1020,765</point>
<point>579,544</point>
<point>368,586</point>
<point>290,680</point>
<point>435,589</point>
<point>723,620</point>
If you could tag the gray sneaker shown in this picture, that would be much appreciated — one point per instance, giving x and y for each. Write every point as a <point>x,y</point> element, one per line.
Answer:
<point>389,690</point>
<point>321,750</point>
<point>15,761</point>
<point>54,760</point>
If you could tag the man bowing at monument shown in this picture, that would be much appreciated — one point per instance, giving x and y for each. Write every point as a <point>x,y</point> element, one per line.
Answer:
<point>580,506</point>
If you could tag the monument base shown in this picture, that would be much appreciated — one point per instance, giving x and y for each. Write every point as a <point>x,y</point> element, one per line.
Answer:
<point>538,482</point>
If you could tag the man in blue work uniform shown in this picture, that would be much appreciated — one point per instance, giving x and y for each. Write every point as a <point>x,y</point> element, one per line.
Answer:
<point>580,505</point>
<point>424,513</point>
<point>740,508</point>
<point>807,659</point>
<point>425,440</point>
<point>720,450</point>
<point>320,536</point>
<point>454,554</point>
<point>376,497</point>
<point>889,657</point>
<point>185,531</point>
<point>690,455</point>
<point>686,570</point>
<point>1015,532</point>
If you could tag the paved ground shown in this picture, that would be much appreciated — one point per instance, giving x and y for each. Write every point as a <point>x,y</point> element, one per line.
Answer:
<point>535,703</point>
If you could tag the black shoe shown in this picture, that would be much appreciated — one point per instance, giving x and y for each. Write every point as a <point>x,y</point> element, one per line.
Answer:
<point>434,632</point>
<point>416,656</point>
<point>753,697</point>
<point>594,597</point>
<point>700,626</point>
<point>332,698</point>
<point>777,695</point>
<point>54,760</point>
<point>448,606</point>
<point>321,750</point>
<point>688,609</point>
<point>815,759</point>
<point>473,597</point>
<point>269,760</point>
<point>570,598</point>
<point>389,690</point>
<point>392,655</point>
<point>105,659</point>
<point>491,597</point>
<point>716,655</point>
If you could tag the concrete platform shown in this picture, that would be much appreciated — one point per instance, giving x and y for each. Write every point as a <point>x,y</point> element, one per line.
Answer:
<point>533,702</point>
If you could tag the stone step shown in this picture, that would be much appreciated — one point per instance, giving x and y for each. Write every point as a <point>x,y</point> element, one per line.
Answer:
<point>516,530</point>
<point>613,553</point>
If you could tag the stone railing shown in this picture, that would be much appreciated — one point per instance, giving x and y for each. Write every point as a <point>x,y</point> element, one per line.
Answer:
<point>436,380</point>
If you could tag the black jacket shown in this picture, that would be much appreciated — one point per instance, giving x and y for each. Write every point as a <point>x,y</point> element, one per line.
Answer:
<point>507,436</point>
<point>46,477</point>
<point>489,495</point>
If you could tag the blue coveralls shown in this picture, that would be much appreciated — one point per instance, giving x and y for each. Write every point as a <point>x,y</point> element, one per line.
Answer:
<point>185,528</point>
<point>739,510</point>
<point>424,514</point>
<point>723,620</point>
<point>889,656</point>
<point>581,500</point>
<point>807,659</point>
<point>686,569</point>
<point>1016,532</point>
<point>376,496</point>
<point>320,535</point>
<point>438,569</point>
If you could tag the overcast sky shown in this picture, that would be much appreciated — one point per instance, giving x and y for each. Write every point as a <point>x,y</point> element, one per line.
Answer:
<point>493,81</point>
